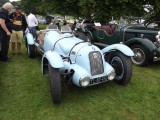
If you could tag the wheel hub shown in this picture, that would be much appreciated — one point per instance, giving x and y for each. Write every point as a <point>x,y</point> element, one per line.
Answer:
<point>118,66</point>
<point>139,56</point>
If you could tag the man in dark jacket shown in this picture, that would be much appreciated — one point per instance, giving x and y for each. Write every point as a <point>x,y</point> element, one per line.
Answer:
<point>18,28</point>
<point>5,31</point>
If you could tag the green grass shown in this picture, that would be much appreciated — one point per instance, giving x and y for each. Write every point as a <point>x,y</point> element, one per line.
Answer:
<point>42,26</point>
<point>25,95</point>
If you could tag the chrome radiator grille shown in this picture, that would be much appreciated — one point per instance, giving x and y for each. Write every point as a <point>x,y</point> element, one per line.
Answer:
<point>96,63</point>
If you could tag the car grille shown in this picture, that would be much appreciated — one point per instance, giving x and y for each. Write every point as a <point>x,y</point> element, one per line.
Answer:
<point>96,63</point>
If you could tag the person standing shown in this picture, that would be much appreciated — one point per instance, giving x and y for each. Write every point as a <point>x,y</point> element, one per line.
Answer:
<point>64,22</point>
<point>18,28</point>
<point>73,26</point>
<point>5,31</point>
<point>32,23</point>
<point>53,22</point>
<point>57,23</point>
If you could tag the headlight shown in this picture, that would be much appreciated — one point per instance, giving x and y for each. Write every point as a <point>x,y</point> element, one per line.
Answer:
<point>84,81</point>
<point>111,75</point>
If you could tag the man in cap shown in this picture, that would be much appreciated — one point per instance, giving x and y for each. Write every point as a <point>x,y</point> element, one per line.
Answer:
<point>18,28</point>
<point>5,31</point>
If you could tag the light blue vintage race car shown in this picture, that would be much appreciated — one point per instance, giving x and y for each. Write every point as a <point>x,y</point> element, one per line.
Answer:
<point>70,60</point>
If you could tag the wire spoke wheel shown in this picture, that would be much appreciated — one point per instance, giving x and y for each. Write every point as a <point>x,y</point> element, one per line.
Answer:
<point>122,65</point>
<point>141,57</point>
<point>117,64</point>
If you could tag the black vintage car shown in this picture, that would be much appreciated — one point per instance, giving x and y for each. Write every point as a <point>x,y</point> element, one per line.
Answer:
<point>141,40</point>
<point>49,19</point>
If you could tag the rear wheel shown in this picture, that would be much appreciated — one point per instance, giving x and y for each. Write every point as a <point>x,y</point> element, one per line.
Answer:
<point>122,65</point>
<point>31,50</point>
<point>55,84</point>
<point>140,57</point>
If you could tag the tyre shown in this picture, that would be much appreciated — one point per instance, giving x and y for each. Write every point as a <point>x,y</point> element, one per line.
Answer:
<point>25,41</point>
<point>122,65</point>
<point>82,36</point>
<point>55,84</point>
<point>31,51</point>
<point>140,57</point>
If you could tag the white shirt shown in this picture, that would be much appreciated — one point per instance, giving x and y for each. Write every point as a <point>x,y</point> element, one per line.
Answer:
<point>32,20</point>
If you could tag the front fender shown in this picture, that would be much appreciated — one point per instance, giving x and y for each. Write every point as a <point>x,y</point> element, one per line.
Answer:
<point>29,38</point>
<point>78,73</point>
<point>53,58</point>
<point>123,48</point>
<point>147,44</point>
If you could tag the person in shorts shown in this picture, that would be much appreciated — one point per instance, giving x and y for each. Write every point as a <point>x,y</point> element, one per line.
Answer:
<point>18,28</point>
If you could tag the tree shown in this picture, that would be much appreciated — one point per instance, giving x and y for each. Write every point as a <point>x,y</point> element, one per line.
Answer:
<point>155,11</point>
<point>2,2</point>
<point>104,9</point>
<point>101,10</point>
<point>65,7</point>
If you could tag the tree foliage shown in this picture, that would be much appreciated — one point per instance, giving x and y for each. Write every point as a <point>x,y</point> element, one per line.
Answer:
<point>155,11</point>
<point>101,10</point>
<point>2,2</point>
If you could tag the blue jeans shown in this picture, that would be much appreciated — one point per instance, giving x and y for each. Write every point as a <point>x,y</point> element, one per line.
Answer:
<point>32,30</point>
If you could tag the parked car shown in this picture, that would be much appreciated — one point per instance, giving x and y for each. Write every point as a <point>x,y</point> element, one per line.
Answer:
<point>153,24</point>
<point>42,21</point>
<point>82,23</point>
<point>48,19</point>
<point>69,60</point>
<point>141,40</point>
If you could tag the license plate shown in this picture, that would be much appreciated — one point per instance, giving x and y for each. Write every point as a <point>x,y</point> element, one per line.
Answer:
<point>98,80</point>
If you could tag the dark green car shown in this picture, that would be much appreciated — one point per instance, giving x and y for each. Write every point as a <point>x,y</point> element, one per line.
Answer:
<point>141,40</point>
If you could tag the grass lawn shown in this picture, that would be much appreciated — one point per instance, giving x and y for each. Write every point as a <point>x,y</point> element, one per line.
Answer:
<point>25,95</point>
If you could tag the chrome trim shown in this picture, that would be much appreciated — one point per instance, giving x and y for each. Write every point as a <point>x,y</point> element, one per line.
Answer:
<point>125,31</point>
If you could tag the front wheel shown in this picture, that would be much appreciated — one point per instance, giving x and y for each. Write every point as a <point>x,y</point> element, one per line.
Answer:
<point>122,65</point>
<point>31,50</point>
<point>55,84</point>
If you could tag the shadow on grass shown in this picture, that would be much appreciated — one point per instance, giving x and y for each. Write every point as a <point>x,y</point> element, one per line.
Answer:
<point>97,92</point>
<point>155,65</point>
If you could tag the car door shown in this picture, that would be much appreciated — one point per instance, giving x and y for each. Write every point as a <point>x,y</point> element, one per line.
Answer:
<point>107,37</point>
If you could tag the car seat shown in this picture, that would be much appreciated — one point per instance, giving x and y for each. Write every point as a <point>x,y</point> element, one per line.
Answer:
<point>40,35</point>
<point>107,29</point>
<point>113,27</point>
